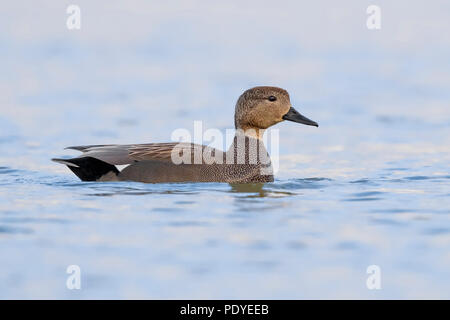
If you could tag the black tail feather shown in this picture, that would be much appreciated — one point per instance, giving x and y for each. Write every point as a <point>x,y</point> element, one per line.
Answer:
<point>88,168</point>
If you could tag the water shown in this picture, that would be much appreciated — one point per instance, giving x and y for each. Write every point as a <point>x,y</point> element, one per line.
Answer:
<point>370,186</point>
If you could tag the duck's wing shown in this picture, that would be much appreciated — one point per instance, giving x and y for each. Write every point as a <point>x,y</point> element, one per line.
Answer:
<point>130,153</point>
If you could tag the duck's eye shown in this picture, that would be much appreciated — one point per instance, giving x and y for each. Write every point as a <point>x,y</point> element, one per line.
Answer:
<point>272,98</point>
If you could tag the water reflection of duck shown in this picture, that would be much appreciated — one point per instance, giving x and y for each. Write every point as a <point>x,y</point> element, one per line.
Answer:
<point>245,161</point>
<point>248,188</point>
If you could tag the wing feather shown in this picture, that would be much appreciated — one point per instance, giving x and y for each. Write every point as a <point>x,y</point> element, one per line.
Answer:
<point>130,153</point>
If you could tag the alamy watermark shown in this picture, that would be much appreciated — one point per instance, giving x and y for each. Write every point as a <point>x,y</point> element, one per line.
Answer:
<point>373,21</point>
<point>73,21</point>
<point>74,280</point>
<point>373,282</point>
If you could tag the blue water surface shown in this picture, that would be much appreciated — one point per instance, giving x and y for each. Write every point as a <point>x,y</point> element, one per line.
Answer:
<point>370,186</point>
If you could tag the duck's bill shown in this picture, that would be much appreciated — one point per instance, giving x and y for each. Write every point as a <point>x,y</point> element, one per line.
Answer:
<point>295,116</point>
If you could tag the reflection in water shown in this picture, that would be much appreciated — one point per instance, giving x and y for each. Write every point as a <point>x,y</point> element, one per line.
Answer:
<point>248,188</point>
<point>278,188</point>
<point>255,190</point>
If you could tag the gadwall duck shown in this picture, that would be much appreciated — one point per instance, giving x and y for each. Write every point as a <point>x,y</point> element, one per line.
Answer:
<point>246,161</point>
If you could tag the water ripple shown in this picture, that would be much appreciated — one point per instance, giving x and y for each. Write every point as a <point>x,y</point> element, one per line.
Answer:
<point>14,230</point>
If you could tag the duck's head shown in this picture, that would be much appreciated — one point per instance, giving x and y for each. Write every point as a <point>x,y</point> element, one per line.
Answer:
<point>261,107</point>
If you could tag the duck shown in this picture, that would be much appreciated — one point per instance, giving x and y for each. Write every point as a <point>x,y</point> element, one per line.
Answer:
<point>245,161</point>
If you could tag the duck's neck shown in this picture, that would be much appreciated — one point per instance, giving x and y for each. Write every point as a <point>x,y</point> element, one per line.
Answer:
<point>248,147</point>
<point>255,133</point>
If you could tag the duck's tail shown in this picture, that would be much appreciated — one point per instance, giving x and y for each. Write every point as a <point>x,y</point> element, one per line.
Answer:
<point>90,169</point>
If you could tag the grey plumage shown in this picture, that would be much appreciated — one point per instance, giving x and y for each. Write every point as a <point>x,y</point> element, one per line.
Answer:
<point>256,110</point>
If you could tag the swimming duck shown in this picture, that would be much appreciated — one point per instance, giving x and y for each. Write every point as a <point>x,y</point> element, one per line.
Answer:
<point>246,161</point>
